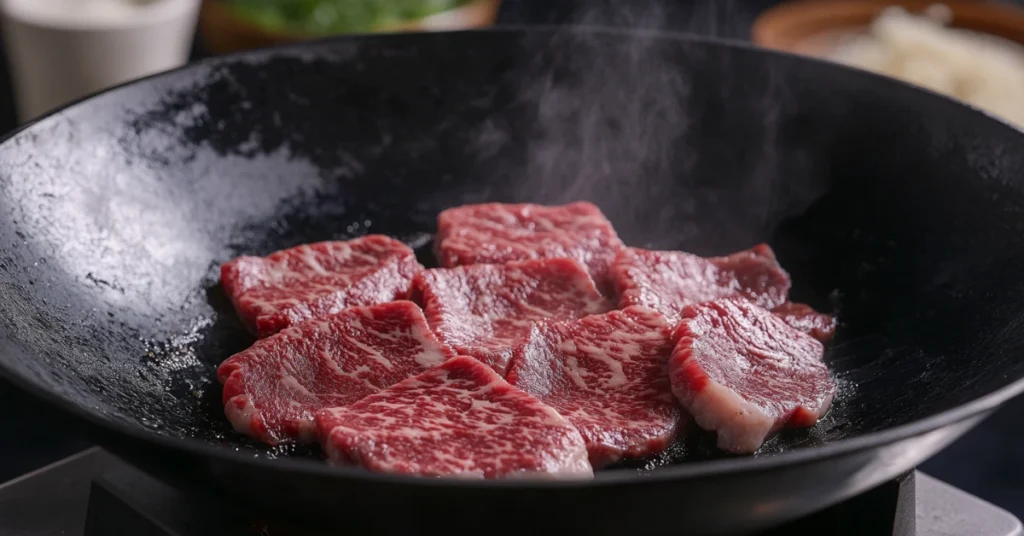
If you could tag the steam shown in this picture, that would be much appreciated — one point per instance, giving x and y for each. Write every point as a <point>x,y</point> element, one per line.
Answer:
<point>614,119</point>
<point>608,110</point>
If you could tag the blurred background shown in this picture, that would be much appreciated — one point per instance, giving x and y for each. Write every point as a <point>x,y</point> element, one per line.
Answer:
<point>56,51</point>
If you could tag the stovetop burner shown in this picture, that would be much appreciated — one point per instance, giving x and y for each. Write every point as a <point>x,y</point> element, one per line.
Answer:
<point>95,494</point>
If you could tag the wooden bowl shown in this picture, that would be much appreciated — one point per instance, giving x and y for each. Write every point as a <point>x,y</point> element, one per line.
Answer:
<point>812,27</point>
<point>223,32</point>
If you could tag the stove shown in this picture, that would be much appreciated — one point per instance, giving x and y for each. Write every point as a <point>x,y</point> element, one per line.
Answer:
<point>95,494</point>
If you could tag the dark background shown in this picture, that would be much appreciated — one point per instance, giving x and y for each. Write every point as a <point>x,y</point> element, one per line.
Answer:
<point>989,462</point>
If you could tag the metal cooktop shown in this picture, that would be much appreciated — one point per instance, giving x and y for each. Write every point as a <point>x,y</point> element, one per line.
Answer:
<point>95,494</point>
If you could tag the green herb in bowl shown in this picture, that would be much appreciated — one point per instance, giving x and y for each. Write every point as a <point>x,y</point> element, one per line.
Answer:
<point>323,17</point>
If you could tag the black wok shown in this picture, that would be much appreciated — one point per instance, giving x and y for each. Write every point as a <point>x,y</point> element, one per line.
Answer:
<point>898,208</point>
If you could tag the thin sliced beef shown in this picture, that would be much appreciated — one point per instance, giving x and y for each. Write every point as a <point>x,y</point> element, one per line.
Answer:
<point>272,390</point>
<point>744,373</point>
<point>667,281</point>
<point>607,374</point>
<point>459,419</point>
<point>821,326</point>
<point>495,233</point>
<point>485,310</point>
<point>313,280</point>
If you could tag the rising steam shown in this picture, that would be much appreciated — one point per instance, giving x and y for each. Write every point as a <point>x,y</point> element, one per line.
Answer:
<point>653,131</point>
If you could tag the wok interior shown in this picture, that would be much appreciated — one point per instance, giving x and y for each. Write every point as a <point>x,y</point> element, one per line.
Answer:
<point>899,209</point>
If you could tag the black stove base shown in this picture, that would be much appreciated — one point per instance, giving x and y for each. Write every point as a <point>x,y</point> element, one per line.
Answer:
<point>125,501</point>
<point>95,494</point>
<point>888,509</point>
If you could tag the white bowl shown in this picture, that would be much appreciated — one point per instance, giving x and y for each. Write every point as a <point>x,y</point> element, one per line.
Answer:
<point>61,50</point>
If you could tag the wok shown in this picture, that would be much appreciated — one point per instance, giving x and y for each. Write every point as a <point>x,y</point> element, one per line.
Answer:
<point>899,209</point>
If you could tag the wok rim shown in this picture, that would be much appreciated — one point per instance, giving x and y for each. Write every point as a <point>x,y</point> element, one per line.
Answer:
<point>679,472</point>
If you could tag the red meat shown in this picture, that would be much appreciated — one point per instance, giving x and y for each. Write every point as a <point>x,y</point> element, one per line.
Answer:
<point>821,326</point>
<point>313,280</point>
<point>744,373</point>
<point>667,281</point>
<point>607,374</point>
<point>272,390</point>
<point>495,233</point>
<point>459,419</point>
<point>485,310</point>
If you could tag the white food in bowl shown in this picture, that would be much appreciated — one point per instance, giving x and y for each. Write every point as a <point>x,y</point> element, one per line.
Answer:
<point>980,69</point>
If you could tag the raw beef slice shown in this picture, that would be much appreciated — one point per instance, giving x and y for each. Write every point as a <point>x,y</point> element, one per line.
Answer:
<point>312,280</point>
<point>607,374</point>
<point>494,233</point>
<point>821,326</point>
<point>667,281</point>
<point>272,390</point>
<point>744,373</point>
<point>485,310</point>
<point>459,419</point>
